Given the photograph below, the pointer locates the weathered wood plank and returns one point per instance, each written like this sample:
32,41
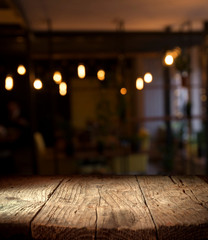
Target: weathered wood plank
95,208
195,188
20,200
175,210
71,211
122,213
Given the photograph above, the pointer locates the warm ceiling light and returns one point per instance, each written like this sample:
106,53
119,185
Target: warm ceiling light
63,89
148,78
101,75
81,71
21,70
9,83
123,91
139,83
37,84
168,59
57,77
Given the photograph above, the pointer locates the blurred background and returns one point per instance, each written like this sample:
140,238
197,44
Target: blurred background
103,87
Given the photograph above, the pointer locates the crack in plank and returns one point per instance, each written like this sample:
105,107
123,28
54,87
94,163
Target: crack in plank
96,212
49,196
196,200
172,179
145,202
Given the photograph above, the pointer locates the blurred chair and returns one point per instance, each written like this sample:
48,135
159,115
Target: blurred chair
45,156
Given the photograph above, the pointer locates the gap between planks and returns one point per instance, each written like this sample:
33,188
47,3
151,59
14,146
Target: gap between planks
96,219
50,195
145,202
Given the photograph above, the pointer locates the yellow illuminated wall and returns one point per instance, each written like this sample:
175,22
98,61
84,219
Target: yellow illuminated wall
85,95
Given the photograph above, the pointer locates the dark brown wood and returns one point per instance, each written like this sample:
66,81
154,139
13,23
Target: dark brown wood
20,201
71,211
121,212
93,44
178,206
104,207
203,177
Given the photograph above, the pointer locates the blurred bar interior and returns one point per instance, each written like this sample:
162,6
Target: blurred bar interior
81,97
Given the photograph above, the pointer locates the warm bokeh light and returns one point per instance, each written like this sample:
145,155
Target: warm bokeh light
176,52
148,78
101,75
37,84
168,59
62,89
139,83
203,98
21,70
57,77
81,71
123,91
9,83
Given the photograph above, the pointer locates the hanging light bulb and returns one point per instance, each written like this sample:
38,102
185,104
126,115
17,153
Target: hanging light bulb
168,59
21,70
37,84
62,89
9,83
101,75
123,91
148,78
139,83
57,77
81,71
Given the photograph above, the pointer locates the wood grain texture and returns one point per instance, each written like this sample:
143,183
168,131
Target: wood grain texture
175,208
122,213
71,211
20,200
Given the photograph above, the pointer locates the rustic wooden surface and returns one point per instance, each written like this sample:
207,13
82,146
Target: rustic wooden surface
20,201
175,208
71,211
104,207
122,213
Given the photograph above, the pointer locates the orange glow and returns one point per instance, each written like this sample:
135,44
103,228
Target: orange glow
139,83
123,91
101,75
148,78
21,70
168,59
62,89
57,77
81,71
37,84
9,83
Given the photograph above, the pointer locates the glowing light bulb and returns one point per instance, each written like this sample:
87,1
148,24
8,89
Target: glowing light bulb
123,91
101,75
21,70
37,84
62,89
168,59
57,77
81,71
9,83
148,78
139,83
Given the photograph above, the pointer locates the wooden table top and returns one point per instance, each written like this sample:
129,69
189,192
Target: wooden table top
104,207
